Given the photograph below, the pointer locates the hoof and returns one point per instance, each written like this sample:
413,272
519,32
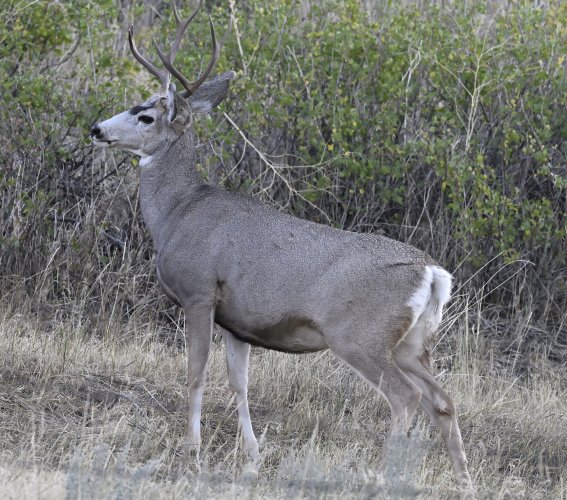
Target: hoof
250,472
189,454
468,493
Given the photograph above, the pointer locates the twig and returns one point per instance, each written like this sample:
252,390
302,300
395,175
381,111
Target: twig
275,169
234,22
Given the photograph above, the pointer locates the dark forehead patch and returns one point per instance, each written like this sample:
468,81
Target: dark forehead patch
141,107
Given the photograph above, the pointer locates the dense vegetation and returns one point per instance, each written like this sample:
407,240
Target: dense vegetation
442,127
443,124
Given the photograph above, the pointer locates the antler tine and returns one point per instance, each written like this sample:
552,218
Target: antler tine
163,76
216,53
167,63
181,27
192,87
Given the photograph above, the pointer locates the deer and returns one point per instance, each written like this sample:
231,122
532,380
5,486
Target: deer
273,280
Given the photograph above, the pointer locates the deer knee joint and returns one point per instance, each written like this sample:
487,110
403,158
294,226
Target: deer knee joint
236,388
425,359
444,407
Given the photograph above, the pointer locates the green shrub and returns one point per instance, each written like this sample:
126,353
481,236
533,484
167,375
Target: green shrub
442,127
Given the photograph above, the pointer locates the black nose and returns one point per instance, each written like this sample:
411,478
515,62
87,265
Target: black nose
96,132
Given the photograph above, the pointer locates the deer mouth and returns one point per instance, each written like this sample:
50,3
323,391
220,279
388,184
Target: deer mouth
103,142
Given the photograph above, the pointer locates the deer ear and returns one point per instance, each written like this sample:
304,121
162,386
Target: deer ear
211,93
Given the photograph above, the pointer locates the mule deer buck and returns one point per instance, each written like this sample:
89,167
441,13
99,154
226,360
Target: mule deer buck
273,280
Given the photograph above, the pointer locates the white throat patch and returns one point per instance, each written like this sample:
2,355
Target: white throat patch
145,160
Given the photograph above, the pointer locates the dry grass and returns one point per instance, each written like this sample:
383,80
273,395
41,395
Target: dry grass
86,416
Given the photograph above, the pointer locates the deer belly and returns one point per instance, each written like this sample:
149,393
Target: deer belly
294,335
166,289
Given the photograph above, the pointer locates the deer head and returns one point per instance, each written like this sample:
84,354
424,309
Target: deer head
159,121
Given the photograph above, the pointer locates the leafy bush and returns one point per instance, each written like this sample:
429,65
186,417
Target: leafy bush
468,107
442,127
445,128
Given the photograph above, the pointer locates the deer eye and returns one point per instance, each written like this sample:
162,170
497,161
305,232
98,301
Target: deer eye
145,119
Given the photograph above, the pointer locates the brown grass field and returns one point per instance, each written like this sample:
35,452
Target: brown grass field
102,417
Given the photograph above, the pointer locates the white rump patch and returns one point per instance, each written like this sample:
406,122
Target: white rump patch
420,298
441,285
144,160
427,306
433,293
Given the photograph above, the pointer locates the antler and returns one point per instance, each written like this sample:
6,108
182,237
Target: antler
165,74
190,87
181,27
167,61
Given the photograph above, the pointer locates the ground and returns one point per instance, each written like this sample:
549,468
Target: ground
102,416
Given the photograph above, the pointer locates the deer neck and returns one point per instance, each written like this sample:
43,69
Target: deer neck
167,178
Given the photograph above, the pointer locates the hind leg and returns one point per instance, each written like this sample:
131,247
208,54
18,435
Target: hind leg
377,367
438,405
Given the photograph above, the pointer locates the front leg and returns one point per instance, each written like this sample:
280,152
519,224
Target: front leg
237,355
198,334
